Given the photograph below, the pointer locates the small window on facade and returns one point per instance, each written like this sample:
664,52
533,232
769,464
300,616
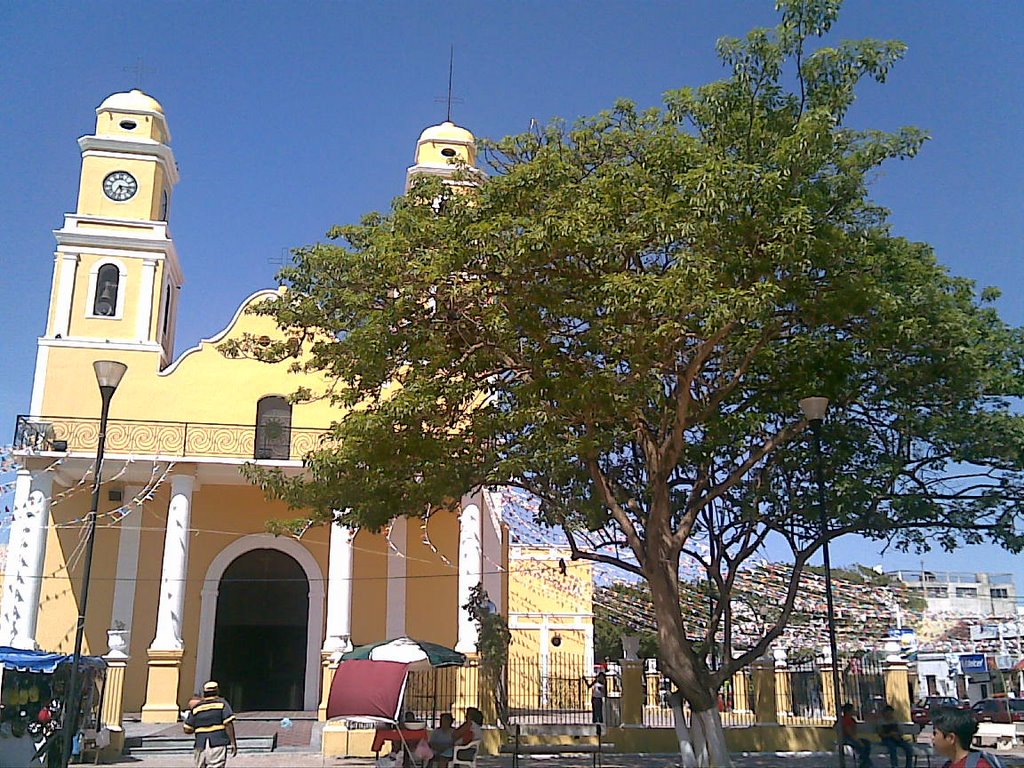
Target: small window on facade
167,309
105,302
273,428
448,152
128,125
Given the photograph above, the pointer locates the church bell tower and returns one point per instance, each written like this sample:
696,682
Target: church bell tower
117,274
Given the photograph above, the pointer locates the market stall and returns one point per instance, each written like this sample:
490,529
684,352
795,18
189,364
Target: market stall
33,706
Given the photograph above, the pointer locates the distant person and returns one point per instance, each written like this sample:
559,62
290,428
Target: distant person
890,737
848,729
952,733
442,741
472,729
598,691
213,723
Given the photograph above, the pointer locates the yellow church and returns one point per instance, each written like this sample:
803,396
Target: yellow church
186,583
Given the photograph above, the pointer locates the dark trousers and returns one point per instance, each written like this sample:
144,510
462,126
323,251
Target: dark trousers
598,706
893,744
862,747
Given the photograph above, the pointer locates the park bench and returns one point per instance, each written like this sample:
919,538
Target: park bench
517,748
922,752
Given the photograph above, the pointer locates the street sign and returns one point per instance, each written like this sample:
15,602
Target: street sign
972,663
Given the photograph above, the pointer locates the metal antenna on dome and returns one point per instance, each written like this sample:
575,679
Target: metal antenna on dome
451,99
139,69
451,67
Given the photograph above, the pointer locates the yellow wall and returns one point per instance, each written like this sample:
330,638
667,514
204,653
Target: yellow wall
431,583
109,124
220,515
202,386
539,593
370,588
81,304
92,200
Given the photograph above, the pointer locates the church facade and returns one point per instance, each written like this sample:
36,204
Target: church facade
186,583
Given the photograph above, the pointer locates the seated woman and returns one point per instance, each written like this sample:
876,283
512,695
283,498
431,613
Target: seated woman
442,741
472,729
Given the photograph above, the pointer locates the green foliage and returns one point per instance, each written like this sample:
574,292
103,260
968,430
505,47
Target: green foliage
492,644
622,319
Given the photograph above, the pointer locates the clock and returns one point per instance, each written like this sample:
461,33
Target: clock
120,186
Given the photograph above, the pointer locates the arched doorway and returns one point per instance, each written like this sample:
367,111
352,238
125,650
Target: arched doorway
260,632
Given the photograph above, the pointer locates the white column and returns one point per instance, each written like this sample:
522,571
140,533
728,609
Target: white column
175,566
493,562
66,266
395,620
146,290
469,569
129,533
26,553
339,590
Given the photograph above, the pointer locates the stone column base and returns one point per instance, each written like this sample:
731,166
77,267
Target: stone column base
632,692
467,690
897,689
766,706
328,667
113,692
162,704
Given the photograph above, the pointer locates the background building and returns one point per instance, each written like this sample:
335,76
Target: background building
966,594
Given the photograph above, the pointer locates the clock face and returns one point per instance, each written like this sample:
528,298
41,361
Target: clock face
120,186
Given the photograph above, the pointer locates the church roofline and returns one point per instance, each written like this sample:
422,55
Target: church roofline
217,338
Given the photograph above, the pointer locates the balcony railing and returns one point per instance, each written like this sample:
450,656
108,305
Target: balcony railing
274,441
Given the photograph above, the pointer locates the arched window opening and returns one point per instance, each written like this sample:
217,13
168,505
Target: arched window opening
105,301
273,428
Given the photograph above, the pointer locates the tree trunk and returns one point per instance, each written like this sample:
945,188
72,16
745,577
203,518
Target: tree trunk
702,740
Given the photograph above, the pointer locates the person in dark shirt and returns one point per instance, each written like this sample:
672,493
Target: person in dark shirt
848,728
890,737
212,722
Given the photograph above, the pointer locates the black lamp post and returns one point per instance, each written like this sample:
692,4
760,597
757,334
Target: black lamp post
814,409
108,376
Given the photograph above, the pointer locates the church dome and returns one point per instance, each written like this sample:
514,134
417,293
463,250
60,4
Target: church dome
447,132
131,101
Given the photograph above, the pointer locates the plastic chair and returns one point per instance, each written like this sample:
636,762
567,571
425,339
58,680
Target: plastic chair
465,756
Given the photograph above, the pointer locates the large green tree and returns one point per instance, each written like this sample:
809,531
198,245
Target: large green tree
622,319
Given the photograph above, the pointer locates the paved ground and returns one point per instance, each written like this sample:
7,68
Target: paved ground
314,760
298,748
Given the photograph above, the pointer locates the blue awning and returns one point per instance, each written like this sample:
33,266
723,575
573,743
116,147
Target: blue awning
42,661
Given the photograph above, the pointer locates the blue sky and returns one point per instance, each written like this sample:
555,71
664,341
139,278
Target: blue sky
288,118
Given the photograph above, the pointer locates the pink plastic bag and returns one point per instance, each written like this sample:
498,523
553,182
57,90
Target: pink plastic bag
423,752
